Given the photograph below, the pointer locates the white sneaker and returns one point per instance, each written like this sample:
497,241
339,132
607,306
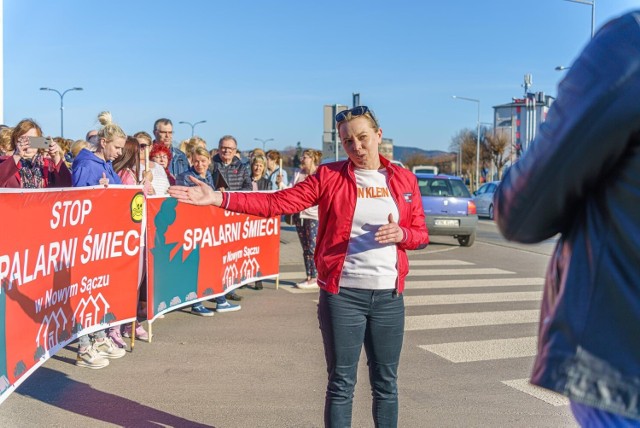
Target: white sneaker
308,284
107,349
90,359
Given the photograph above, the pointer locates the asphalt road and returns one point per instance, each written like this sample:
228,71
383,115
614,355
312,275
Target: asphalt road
471,325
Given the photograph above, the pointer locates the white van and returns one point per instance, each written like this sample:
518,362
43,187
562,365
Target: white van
425,169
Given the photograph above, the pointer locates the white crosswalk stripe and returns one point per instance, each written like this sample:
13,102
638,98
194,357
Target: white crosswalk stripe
473,319
455,299
470,283
484,350
545,395
459,272
452,262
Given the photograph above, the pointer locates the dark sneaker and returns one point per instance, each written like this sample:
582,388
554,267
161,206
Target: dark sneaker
199,309
233,296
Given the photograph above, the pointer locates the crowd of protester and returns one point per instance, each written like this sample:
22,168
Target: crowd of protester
109,156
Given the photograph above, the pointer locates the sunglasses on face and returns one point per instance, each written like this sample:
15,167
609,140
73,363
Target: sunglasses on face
355,112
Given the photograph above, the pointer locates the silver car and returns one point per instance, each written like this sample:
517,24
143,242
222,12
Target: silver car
483,197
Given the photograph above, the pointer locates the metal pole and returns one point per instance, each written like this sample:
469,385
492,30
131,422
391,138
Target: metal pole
192,125
591,3
61,114
478,151
61,95
264,142
593,17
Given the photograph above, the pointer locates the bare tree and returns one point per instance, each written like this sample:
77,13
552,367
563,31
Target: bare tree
417,159
496,145
464,143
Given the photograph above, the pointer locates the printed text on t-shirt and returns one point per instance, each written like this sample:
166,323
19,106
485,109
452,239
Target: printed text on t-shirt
373,192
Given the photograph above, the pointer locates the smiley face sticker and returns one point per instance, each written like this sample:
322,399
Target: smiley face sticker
137,207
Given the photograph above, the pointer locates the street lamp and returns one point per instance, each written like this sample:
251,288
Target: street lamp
264,142
477,138
561,68
591,3
61,105
192,125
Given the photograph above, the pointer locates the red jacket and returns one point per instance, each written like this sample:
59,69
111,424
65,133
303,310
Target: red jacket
333,189
53,175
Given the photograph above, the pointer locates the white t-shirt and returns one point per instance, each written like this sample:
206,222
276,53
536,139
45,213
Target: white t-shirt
369,264
160,182
310,213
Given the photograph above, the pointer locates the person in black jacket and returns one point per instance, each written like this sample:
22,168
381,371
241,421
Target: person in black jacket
580,178
229,173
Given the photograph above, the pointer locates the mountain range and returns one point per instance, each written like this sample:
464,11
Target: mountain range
403,153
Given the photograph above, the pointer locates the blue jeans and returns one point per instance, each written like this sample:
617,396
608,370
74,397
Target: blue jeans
347,321
588,416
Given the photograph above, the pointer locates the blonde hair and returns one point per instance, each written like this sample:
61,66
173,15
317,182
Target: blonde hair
201,151
144,136
188,146
316,155
259,159
110,130
78,145
5,140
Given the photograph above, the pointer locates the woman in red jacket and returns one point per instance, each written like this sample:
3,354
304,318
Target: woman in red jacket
27,168
370,212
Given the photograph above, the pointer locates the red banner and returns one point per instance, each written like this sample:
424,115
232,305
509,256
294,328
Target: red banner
196,253
69,261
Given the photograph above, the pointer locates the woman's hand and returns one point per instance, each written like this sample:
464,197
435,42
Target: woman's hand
54,151
104,181
148,188
389,233
200,194
21,148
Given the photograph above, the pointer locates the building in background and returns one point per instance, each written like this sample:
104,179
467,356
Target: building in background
520,119
386,148
332,147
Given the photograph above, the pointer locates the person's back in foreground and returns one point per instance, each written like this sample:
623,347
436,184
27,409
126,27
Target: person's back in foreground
581,178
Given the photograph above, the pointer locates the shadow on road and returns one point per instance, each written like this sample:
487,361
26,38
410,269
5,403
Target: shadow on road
81,398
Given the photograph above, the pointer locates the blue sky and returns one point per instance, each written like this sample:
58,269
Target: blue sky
264,69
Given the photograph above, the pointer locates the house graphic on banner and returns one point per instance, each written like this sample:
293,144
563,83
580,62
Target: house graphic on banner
91,310
51,329
230,275
250,268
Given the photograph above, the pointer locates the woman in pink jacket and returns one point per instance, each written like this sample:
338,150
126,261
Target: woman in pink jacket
370,212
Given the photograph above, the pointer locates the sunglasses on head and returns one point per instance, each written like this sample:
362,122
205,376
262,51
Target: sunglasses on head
354,112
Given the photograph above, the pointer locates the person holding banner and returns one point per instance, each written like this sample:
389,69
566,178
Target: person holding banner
94,166
92,169
306,221
275,173
28,169
370,213
230,173
199,171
